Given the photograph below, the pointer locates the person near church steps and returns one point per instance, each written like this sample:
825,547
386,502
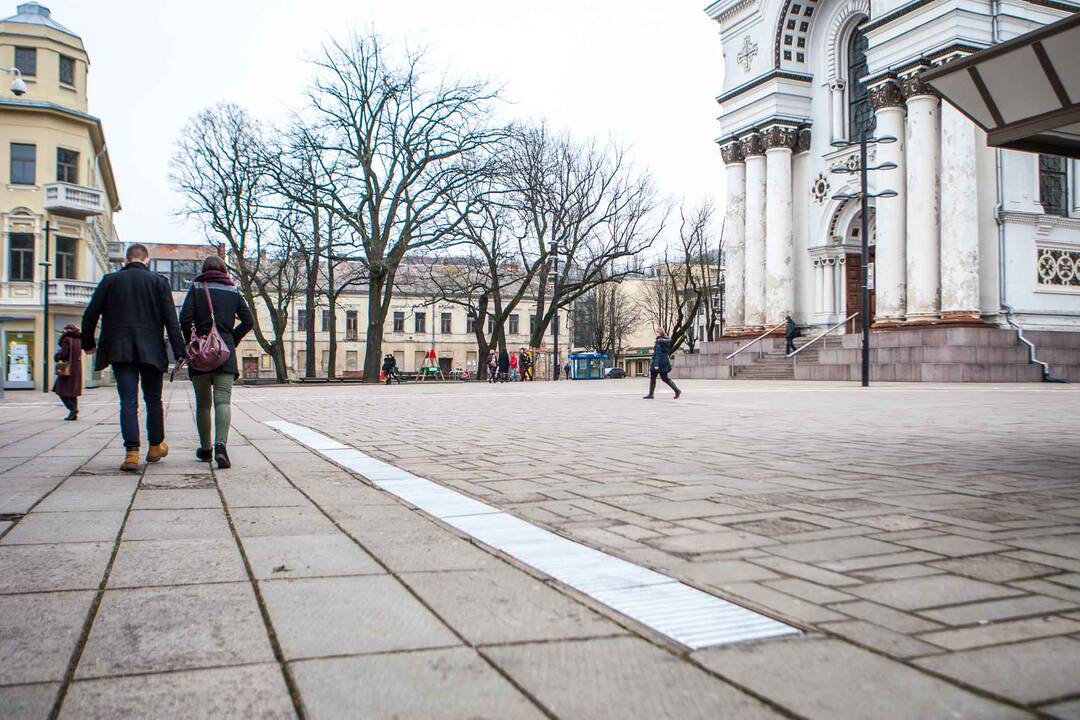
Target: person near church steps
661,365
136,310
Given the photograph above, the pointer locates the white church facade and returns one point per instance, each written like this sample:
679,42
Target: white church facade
971,229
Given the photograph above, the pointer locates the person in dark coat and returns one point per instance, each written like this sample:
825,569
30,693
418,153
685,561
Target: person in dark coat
661,365
69,386
389,368
790,333
136,310
213,388
504,365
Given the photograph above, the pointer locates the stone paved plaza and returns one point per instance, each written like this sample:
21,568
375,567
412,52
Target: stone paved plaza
925,538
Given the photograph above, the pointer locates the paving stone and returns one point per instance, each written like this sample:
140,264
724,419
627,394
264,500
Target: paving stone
895,522
879,561
953,545
1068,710
815,678
805,571
297,556
38,633
239,495
1048,588
722,572
281,521
629,678
505,605
447,684
681,509
1029,672
808,591
886,617
835,549
881,639
317,617
78,500
994,568
186,481
152,499
897,572
68,527
38,568
1002,632
418,546
176,562
1044,559
928,592
1066,545
998,610
705,542
251,691
174,628
780,603
28,702
1068,579
197,524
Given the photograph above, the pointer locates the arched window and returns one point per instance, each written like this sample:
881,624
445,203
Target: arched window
860,114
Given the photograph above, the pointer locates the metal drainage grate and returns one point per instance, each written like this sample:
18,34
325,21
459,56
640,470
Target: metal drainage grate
685,614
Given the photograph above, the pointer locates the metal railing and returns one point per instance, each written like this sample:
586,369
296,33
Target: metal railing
827,331
756,340
1046,376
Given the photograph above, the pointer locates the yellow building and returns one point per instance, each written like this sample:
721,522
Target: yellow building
57,211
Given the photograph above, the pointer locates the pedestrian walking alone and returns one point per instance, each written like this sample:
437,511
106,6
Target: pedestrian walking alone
68,357
566,370
228,311
136,310
790,333
661,365
525,362
514,367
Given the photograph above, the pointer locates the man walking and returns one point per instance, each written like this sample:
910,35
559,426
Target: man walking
791,331
136,308
661,365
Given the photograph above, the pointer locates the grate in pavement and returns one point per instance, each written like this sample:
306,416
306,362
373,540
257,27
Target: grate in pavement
685,614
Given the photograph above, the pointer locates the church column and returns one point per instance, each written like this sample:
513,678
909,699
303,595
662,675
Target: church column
830,285
923,232
959,217
779,264
890,261
754,257
734,240
838,109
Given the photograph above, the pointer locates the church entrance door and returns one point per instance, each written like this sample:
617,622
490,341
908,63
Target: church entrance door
853,295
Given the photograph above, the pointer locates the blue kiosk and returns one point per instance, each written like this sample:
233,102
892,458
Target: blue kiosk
588,366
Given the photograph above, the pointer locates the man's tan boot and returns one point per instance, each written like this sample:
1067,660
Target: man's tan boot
157,452
131,461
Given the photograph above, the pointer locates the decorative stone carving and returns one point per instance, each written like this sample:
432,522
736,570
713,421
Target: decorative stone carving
752,145
886,95
802,142
1059,269
746,55
779,136
914,86
819,189
732,152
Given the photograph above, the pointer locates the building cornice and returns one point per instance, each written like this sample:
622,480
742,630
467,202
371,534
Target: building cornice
917,4
761,80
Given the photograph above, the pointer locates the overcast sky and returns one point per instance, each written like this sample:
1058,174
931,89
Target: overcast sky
644,72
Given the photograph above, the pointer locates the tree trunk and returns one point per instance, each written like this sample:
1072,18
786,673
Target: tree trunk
376,328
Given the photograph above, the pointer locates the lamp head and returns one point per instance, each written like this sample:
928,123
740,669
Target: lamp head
886,194
886,139
846,196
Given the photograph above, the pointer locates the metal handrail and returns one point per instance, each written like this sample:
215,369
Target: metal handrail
756,340
839,324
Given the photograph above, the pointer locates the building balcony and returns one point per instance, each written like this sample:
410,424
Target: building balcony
71,292
116,251
76,201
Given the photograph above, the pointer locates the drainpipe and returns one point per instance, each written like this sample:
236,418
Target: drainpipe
999,220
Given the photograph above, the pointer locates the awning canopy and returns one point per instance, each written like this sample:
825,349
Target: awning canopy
1025,93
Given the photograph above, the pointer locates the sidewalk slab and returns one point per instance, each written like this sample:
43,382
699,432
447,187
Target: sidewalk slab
38,634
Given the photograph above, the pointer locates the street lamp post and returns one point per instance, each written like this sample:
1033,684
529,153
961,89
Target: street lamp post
555,304
46,344
864,198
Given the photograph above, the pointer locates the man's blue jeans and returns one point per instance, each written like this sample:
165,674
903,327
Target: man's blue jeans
127,377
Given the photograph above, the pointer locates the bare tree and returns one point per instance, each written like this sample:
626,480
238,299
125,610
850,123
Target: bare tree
405,149
585,202
681,285
218,168
604,317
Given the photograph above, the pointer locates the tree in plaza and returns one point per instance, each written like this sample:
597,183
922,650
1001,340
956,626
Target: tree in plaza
218,166
681,283
604,317
584,201
404,150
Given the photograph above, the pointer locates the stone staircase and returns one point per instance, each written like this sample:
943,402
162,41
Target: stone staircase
924,354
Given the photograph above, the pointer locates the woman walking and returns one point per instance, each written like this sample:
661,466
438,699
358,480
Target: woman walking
213,388
68,359
661,365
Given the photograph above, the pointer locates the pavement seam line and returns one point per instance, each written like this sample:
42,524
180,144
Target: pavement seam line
464,641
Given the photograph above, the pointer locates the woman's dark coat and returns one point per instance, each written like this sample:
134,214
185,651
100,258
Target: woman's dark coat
661,355
504,361
136,309
69,385
229,306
